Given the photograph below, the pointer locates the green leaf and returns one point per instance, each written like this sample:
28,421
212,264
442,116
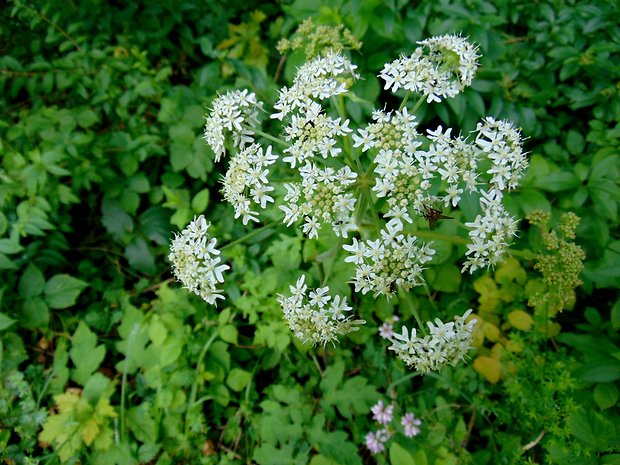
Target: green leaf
85,353
400,456
615,315
31,283
86,118
229,334
140,256
155,224
141,423
605,395
558,181
6,263
237,379
200,202
5,322
35,313
10,246
62,290
115,219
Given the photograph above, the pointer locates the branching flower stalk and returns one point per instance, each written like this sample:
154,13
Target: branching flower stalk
385,173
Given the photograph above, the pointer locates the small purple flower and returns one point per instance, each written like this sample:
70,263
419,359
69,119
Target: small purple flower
382,414
374,442
411,424
386,331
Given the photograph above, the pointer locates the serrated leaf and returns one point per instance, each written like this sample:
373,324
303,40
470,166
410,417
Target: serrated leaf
85,353
62,290
141,423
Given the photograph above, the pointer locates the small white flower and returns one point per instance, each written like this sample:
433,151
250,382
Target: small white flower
195,261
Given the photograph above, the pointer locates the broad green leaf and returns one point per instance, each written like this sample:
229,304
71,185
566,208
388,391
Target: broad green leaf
155,224
5,322
31,283
115,219
200,202
62,290
238,379
35,313
140,256
606,395
400,456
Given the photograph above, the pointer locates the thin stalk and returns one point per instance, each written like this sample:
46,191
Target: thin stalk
194,391
250,235
318,366
269,136
404,102
417,105
130,341
407,301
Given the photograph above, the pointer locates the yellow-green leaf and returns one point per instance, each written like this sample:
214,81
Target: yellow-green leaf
488,367
521,320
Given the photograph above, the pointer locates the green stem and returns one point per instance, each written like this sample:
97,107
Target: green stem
435,236
404,102
402,380
407,301
130,342
417,105
250,235
269,136
192,397
318,366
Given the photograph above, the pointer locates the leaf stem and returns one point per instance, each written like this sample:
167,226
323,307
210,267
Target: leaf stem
250,235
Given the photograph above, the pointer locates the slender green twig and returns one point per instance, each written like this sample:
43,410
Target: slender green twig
404,102
251,234
268,136
407,301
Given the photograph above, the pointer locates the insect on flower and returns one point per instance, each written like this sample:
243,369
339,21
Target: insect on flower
433,216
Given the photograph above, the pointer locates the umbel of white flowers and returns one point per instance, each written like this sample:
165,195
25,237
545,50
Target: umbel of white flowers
406,170
447,344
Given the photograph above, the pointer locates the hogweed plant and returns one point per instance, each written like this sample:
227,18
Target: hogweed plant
365,185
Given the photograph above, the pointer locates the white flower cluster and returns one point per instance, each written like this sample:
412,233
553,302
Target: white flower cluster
195,260
447,344
317,318
320,79
385,264
501,143
321,198
440,68
230,112
246,181
490,233
313,133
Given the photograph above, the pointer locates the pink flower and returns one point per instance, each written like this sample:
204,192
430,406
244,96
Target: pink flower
411,424
382,414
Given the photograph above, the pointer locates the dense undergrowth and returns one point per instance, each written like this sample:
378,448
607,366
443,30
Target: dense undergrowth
105,359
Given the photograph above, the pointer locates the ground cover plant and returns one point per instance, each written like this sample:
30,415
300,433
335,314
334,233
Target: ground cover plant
400,220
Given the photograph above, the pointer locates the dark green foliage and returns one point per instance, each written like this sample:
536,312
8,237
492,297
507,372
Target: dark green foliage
103,360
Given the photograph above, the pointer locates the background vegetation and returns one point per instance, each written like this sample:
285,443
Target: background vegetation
104,360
